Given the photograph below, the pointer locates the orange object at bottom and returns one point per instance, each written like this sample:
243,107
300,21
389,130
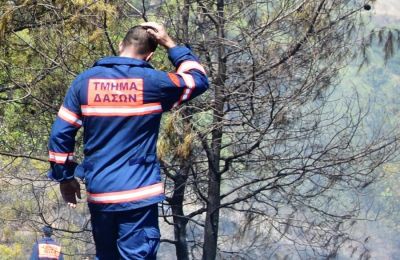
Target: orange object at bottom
49,251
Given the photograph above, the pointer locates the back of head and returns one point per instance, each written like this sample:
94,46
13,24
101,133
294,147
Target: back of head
47,231
138,37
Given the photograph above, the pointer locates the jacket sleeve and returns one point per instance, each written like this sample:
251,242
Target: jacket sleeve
62,137
189,80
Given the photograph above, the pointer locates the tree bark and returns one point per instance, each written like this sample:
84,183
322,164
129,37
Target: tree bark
214,182
180,221
180,182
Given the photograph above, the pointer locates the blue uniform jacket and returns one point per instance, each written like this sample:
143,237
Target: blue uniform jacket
46,249
119,102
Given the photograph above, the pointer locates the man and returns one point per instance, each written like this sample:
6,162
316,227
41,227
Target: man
46,248
119,101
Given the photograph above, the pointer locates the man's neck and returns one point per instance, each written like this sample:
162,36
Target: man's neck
130,54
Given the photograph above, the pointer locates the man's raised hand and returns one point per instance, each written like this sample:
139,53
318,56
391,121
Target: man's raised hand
159,33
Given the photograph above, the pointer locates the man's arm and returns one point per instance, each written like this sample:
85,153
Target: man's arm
61,147
189,80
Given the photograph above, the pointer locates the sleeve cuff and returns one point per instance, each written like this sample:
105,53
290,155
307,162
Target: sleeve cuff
177,52
61,173
51,177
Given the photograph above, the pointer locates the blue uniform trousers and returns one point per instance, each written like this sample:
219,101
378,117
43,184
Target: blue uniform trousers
132,234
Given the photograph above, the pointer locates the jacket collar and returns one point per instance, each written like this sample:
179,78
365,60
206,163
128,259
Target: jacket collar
116,60
47,239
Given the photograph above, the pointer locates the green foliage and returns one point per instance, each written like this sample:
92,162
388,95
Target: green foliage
11,252
43,47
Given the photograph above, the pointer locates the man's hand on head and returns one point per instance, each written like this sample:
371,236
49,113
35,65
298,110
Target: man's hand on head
159,33
70,189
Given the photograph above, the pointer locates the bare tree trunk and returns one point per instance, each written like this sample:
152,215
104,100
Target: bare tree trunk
180,221
180,182
214,182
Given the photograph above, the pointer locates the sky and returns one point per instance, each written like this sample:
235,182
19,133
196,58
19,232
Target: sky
387,7
386,12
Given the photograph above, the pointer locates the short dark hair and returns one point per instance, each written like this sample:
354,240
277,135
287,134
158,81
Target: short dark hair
47,231
138,37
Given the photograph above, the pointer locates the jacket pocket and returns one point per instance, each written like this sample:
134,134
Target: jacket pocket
152,236
142,244
82,169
